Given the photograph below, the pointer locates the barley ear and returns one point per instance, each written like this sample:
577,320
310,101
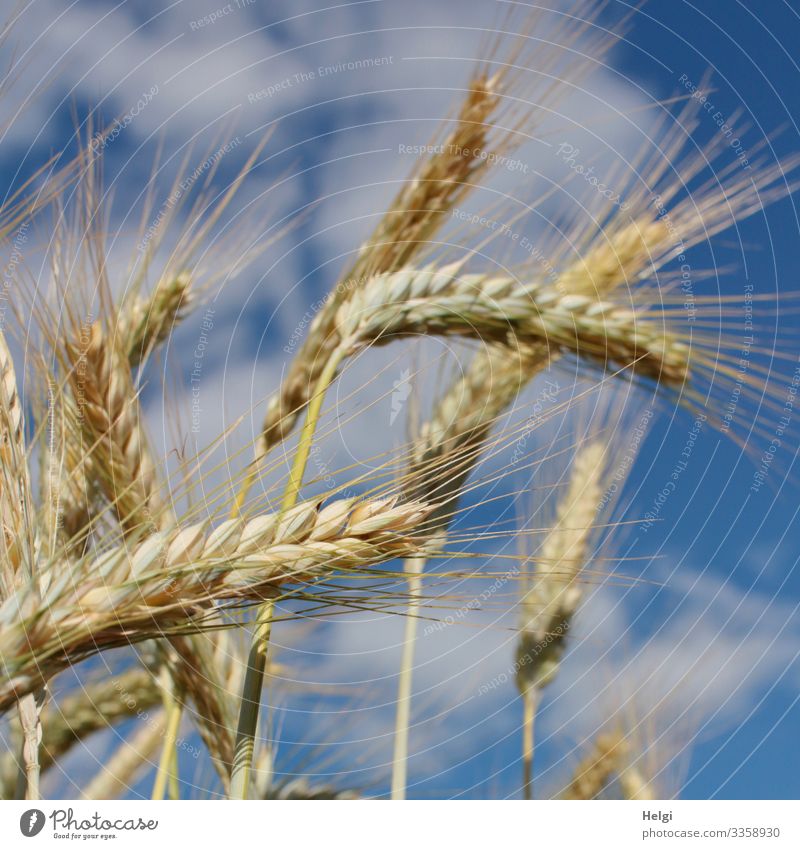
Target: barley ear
597,769
148,321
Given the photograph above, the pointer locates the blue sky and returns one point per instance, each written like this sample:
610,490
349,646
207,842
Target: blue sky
710,600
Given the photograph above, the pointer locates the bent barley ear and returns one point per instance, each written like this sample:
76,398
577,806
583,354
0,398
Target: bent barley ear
515,90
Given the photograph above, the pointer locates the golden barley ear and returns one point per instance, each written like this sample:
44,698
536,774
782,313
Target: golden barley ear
149,320
516,87
603,762
168,583
113,433
554,591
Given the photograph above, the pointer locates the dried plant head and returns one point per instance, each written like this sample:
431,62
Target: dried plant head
147,322
514,90
604,760
640,753
553,587
100,476
608,258
102,321
169,582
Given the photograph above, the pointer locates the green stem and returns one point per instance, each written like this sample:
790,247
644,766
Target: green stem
174,784
250,702
174,712
309,429
249,707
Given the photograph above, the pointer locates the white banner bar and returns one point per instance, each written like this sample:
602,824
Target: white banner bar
406,825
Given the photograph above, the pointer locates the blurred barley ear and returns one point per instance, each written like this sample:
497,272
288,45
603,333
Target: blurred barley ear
554,592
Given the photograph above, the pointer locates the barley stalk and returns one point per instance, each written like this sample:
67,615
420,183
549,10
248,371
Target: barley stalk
174,711
18,549
413,567
16,539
